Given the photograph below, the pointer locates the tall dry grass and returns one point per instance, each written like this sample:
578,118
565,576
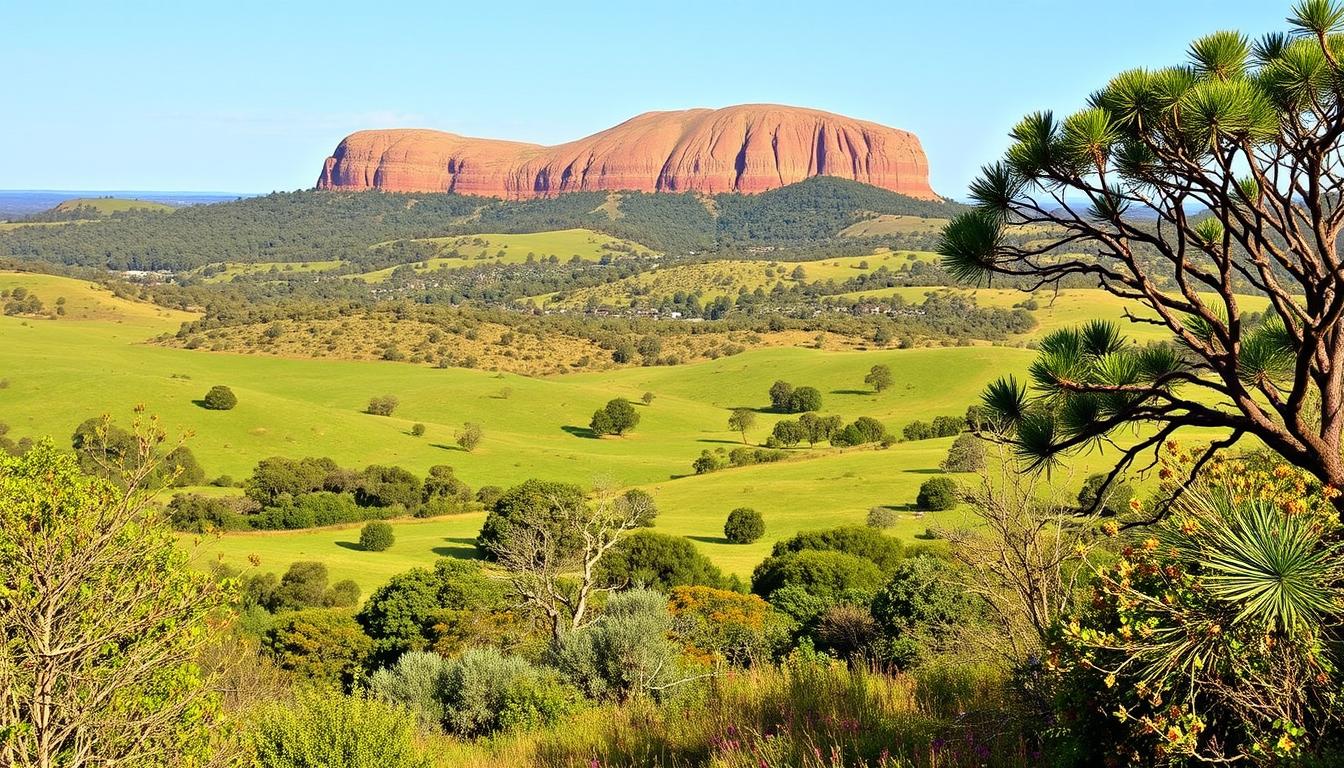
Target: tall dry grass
804,714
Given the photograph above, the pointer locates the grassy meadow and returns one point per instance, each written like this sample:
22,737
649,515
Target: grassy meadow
96,359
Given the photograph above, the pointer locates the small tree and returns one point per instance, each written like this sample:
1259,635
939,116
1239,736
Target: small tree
740,420
615,418
469,436
805,399
382,406
937,494
219,398
743,526
879,378
376,536
102,617
967,454
418,430
787,433
781,394
647,398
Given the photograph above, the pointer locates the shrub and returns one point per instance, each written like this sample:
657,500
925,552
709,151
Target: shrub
832,577
967,454
382,406
417,430
401,615
376,537
743,526
469,436
881,517
718,624
883,551
383,486
485,692
847,631
194,513
657,561
1117,496
416,682
219,398
924,596
325,729
319,645
937,494
627,651
805,399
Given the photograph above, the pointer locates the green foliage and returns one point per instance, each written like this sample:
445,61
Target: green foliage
828,576
469,436
740,420
484,691
862,431
194,513
376,537
743,526
938,494
967,454
1116,499
615,418
538,502
640,505
416,682
879,378
1192,632
384,486
325,729
881,517
656,561
941,426
400,616
319,645
627,651
883,551
787,433
382,405
102,617
417,430
220,398
921,608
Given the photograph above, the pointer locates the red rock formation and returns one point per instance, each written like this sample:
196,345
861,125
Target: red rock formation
749,148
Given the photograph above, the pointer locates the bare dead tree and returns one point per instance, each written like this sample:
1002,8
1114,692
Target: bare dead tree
1024,553
555,578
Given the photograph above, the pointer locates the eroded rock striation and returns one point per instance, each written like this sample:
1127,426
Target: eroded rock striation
749,148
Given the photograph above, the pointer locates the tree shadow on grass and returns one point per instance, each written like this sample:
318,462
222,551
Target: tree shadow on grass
852,392
709,539
350,545
445,447
578,431
924,471
462,548
718,440
200,404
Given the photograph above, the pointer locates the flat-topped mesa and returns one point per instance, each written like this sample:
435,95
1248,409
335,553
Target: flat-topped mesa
749,148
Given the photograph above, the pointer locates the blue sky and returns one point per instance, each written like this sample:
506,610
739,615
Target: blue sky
251,96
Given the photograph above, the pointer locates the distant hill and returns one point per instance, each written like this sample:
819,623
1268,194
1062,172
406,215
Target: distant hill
324,226
748,148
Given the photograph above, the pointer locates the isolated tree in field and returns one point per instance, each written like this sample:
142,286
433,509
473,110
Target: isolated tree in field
376,536
740,420
647,399
743,526
1236,162
615,418
879,378
937,494
219,398
382,406
469,436
102,616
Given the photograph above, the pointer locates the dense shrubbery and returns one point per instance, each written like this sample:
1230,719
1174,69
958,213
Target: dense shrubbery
376,537
657,561
941,426
220,398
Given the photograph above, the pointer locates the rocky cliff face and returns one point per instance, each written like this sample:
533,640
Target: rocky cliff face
749,148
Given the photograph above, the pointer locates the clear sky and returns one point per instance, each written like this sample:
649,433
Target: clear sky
242,96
